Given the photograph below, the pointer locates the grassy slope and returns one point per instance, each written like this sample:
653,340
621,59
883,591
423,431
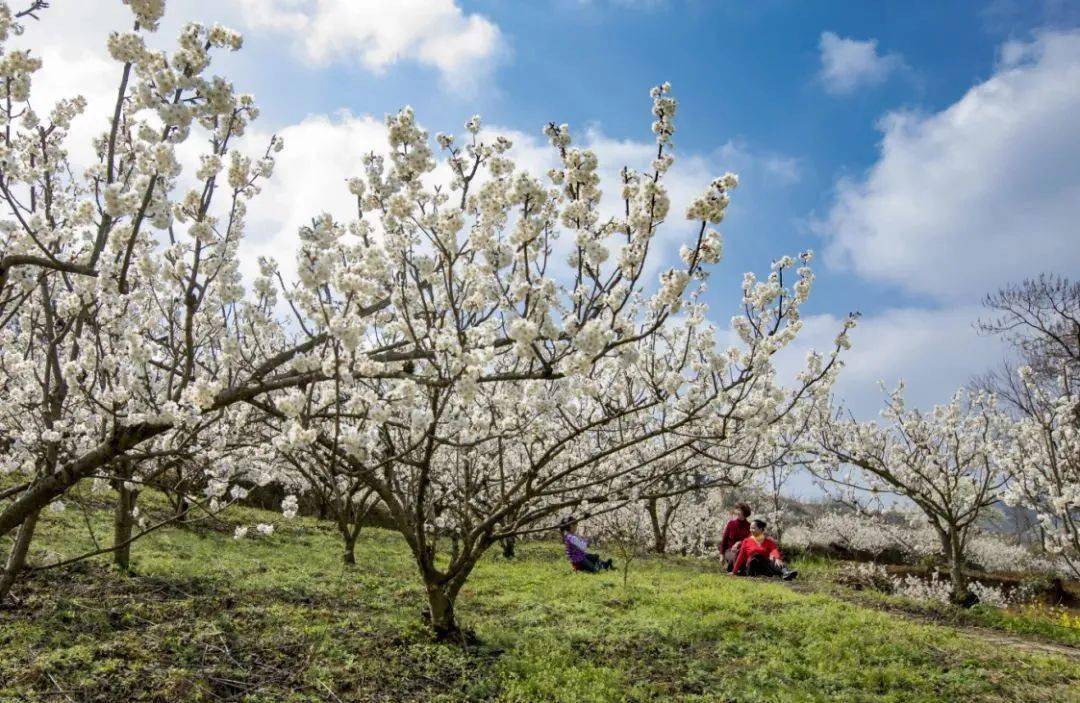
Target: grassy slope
819,575
279,619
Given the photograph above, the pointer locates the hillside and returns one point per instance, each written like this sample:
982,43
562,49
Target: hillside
210,618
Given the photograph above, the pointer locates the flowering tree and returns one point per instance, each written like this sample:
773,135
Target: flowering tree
949,462
1041,318
878,534
1045,459
515,388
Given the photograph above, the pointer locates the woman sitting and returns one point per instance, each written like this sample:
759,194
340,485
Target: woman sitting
760,556
737,529
581,560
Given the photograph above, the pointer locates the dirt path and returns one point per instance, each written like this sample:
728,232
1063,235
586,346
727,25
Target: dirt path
985,634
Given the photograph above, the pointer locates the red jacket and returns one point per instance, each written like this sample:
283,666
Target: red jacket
736,530
751,548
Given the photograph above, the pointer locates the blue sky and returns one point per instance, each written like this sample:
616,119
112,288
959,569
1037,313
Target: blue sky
744,72
928,151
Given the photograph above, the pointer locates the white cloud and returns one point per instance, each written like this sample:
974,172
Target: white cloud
934,352
982,193
309,177
436,33
847,64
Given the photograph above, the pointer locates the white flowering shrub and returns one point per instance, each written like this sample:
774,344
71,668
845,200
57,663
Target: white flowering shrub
908,535
866,576
991,595
995,553
934,589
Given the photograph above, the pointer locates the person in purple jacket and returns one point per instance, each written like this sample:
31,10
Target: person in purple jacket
576,545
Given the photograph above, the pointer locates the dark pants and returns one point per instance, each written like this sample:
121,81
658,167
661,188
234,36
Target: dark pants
759,565
731,555
591,564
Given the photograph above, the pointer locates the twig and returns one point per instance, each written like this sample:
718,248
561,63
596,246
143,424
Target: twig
59,690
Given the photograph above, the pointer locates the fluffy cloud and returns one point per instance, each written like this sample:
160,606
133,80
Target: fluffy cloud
847,64
435,33
933,351
320,153
985,192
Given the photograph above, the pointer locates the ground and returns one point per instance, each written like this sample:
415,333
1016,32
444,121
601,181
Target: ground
210,618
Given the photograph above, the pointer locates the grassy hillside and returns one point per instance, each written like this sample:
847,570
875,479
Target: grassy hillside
209,618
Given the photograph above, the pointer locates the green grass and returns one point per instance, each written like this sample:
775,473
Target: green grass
820,574
208,618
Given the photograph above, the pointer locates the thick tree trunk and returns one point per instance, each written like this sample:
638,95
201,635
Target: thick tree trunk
659,531
17,558
441,610
182,508
349,555
442,594
955,556
508,545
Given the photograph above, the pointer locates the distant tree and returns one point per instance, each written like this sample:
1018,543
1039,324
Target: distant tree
1040,318
949,462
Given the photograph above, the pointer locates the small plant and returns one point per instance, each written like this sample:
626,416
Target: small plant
627,536
991,595
866,576
1056,614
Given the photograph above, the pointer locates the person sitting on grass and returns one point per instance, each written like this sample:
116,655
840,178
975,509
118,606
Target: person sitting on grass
581,560
760,556
737,529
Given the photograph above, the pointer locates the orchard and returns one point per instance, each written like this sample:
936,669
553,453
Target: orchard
479,353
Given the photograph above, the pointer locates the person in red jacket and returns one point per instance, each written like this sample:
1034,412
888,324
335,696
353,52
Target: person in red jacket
760,556
738,529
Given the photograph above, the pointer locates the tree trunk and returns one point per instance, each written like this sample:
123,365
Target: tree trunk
441,610
180,505
17,558
123,525
123,517
182,508
508,544
659,531
349,555
955,556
